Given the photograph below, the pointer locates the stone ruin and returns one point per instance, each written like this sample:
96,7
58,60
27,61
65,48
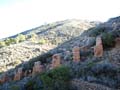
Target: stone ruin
4,78
56,61
37,68
18,74
76,54
98,49
117,42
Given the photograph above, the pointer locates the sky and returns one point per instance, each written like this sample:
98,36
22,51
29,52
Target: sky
20,15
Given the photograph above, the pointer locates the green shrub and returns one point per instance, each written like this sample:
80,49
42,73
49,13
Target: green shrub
95,31
30,85
33,37
108,40
56,79
2,44
42,41
15,87
116,33
9,41
20,38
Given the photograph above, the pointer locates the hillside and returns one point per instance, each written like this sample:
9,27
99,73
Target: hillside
65,57
39,40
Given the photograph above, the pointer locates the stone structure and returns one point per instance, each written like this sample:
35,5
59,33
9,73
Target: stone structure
37,68
25,73
4,78
56,60
76,54
18,75
117,42
98,49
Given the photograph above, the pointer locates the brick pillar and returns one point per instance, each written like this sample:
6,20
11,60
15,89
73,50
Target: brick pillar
56,60
76,54
18,75
4,78
37,68
117,42
98,49
25,73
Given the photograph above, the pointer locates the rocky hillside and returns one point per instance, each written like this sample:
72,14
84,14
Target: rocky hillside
38,41
90,72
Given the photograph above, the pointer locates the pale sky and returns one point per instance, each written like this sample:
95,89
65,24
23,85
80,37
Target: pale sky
21,15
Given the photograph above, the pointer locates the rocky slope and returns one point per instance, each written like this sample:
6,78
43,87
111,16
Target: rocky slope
55,33
14,55
92,73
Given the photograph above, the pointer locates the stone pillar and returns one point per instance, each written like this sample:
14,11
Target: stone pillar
4,78
18,75
117,42
25,73
29,73
37,68
56,60
76,54
98,49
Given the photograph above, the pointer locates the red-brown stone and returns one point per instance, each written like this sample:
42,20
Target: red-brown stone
98,49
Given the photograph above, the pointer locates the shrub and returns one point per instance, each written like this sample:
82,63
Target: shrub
2,44
108,40
42,41
29,85
116,33
95,31
15,87
33,37
56,79
20,38
9,41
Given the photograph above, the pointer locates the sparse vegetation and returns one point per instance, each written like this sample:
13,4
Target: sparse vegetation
20,38
33,37
15,87
2,44
108,40
30,85
9,41
42,41
95,31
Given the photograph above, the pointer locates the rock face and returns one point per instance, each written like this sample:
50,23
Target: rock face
98,49
37,68
76,54
56,61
